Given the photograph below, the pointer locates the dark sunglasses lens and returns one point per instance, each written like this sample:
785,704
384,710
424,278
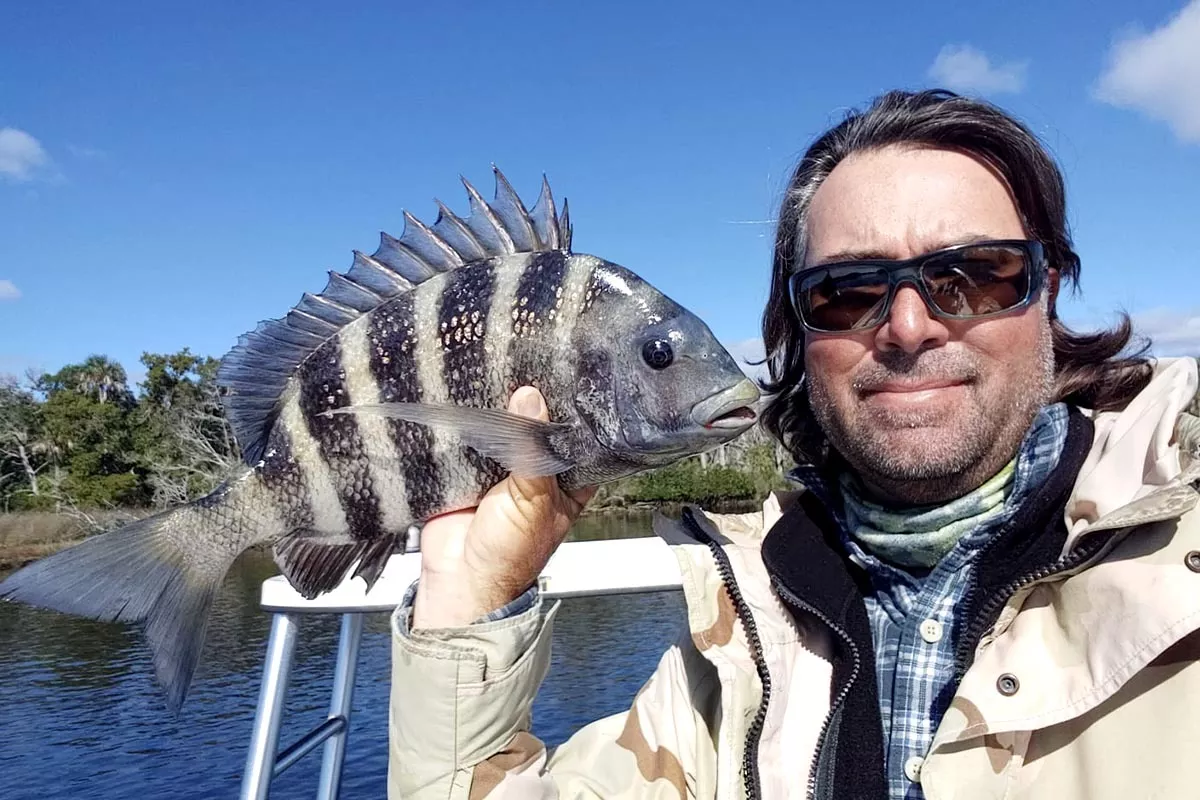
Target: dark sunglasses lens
978,280
841,298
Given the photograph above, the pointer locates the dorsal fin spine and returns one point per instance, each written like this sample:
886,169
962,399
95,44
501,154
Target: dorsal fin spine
546,214
415,230
480,208
564,228
447,218
512,214
401,258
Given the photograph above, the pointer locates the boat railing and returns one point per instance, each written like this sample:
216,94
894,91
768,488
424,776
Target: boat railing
577,569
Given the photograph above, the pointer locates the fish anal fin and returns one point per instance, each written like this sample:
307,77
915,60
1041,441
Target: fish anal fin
315,563
376,555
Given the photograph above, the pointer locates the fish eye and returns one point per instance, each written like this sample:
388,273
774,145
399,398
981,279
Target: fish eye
658,354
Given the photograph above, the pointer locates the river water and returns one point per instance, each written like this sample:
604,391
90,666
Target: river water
82,716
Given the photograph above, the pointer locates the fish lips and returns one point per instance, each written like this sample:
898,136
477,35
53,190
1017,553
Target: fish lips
729,411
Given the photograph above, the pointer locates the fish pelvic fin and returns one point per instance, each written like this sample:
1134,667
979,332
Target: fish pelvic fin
133,574
254,374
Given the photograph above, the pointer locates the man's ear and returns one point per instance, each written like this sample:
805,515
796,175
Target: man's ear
1053,281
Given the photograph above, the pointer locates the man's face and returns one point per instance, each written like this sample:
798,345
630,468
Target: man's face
923,408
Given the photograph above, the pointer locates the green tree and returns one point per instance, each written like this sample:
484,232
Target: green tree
93,441
98,378
23,451
687,481
185,445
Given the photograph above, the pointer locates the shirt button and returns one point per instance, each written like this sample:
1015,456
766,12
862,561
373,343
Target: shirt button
912,768
931,631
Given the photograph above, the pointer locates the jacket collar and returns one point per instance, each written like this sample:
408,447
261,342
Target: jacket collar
1137,452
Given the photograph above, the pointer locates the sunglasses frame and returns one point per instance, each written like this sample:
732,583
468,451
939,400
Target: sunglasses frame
909,271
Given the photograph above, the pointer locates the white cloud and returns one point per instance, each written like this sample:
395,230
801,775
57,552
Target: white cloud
9,291
1171,332
1158,73
21,155
964,68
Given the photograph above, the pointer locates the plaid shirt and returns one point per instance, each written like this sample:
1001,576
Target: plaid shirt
916,621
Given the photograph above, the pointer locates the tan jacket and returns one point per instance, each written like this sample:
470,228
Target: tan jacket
1103,659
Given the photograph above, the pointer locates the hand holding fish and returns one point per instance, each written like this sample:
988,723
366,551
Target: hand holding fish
477,560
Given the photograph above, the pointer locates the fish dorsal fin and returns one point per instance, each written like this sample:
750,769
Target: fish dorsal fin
254,373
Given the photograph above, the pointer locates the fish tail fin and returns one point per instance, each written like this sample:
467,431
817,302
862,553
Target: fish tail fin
137,573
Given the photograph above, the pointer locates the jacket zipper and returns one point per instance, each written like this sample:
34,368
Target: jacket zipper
842,694
974,633
750,776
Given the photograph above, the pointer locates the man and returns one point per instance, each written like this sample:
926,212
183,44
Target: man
987,584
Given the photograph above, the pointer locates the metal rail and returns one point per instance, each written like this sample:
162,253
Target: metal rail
577,569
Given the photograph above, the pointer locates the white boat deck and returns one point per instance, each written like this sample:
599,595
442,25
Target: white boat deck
577,569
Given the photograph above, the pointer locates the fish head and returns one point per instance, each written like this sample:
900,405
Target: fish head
652,381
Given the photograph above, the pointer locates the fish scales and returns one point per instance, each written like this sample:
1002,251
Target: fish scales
379,403
428,357
322,386
319,481
532,321
568,305
458,469
471,378
383,459
283,478
392,333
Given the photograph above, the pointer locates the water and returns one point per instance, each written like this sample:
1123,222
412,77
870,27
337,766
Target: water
82,716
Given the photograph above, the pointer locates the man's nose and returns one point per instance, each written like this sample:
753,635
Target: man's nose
910,326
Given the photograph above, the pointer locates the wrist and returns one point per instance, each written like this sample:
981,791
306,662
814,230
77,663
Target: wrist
454,601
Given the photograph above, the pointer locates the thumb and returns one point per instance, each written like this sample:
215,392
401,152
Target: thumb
527,401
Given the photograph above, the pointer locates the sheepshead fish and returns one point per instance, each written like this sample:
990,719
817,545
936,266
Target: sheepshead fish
379,403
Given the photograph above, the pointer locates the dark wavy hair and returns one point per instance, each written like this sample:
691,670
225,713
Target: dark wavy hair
1093,370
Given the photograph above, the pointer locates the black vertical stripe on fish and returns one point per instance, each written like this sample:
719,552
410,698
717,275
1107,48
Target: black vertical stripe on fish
536,305
462,323
281,475
322,387
392,335
387,476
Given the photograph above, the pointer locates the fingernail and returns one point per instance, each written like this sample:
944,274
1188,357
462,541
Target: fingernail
527,402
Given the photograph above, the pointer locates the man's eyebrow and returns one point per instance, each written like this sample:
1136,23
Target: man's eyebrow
874,254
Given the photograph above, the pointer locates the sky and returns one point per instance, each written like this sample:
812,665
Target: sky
172,173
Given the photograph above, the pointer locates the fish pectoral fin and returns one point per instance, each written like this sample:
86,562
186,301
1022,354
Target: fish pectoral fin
315,562
525,447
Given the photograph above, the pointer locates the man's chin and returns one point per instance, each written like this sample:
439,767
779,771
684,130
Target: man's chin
914,450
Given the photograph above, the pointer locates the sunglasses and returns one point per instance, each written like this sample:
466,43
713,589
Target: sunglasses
969,281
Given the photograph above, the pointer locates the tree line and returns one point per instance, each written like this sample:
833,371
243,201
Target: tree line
83,439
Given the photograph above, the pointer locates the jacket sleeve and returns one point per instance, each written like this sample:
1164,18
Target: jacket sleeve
459,721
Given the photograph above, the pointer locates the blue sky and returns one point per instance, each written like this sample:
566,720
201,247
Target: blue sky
171,175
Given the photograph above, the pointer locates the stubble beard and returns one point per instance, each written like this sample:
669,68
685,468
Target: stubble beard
919,457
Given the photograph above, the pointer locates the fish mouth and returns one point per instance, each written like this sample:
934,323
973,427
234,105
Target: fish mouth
729,410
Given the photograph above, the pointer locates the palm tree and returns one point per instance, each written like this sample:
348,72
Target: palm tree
102,378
